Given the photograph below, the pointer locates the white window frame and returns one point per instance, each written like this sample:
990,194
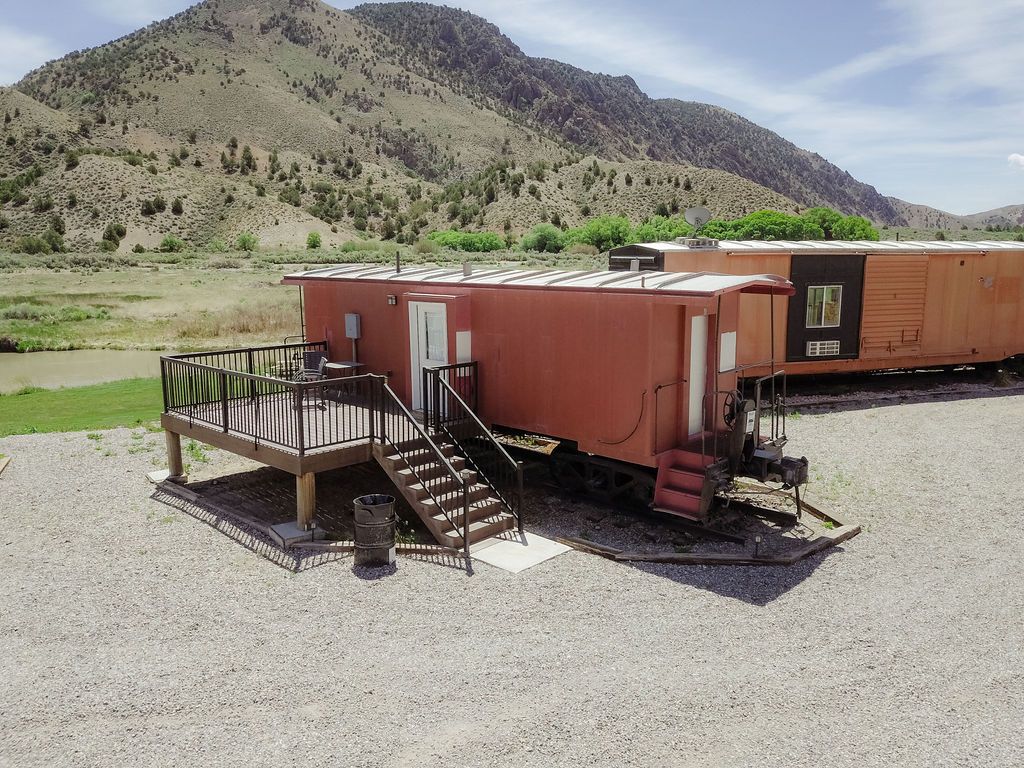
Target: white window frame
807,306
828,348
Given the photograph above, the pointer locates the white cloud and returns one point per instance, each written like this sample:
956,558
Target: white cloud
20,53
1016,159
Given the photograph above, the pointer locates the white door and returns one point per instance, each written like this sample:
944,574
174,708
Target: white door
428,342
698,373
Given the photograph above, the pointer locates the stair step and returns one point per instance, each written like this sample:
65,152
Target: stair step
417,444
405,475
416,457
693,462
681,479
440,485
478,510
477,491
482,529
681,503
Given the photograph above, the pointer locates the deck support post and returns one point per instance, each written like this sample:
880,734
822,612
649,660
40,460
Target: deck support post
305,499
174,464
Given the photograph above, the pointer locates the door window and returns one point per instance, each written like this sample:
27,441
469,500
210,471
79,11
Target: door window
824,305
436,335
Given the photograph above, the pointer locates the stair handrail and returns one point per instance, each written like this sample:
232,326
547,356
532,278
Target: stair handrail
438,454
513,506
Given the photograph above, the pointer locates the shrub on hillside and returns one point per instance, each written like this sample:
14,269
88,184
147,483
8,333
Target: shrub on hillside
290,195
31,244
247,241
764,225
313,241
353,246
473,242
172,244
661,229
854,228
113,233
177,207
423,245
825,218
42,203
603,233
544,238
54,240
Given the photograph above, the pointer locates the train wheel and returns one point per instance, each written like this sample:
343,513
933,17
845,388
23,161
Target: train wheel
643,491
601,479
568,471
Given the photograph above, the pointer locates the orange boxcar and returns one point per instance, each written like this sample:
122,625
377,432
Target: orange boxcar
865,305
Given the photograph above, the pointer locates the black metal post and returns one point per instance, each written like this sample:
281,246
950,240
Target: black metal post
475,373
224,398
519,495
163,381
252,383
465,515
300,425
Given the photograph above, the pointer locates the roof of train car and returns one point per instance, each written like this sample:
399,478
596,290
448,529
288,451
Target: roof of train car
831,246
673,283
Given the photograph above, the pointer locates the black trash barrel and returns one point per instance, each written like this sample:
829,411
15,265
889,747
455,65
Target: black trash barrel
374,529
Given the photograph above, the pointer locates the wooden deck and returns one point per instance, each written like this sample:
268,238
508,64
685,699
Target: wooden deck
274,429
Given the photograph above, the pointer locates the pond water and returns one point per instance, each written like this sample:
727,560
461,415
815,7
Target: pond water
75,368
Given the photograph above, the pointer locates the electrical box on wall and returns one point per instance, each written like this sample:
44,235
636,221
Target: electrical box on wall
352,326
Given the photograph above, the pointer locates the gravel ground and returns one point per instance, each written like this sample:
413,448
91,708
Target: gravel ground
133,634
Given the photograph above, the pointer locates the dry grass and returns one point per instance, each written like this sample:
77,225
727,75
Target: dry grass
258,320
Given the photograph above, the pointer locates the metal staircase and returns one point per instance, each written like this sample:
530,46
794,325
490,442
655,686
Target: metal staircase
449,474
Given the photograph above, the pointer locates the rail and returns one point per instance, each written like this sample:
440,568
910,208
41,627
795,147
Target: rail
280,361
453,417
267,409
448,489
776,409
461,377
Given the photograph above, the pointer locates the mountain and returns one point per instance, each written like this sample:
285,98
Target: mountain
926,217
282,117
611,116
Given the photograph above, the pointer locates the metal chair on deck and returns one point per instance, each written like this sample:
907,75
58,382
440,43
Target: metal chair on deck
314,368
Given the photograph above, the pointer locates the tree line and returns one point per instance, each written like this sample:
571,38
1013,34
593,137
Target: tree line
604,232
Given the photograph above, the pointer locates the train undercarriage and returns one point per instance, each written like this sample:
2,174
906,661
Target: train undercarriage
712,486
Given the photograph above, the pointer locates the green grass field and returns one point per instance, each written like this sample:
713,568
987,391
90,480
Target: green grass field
125,403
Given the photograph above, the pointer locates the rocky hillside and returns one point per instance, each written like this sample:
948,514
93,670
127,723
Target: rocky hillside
282,117
924,217
610,116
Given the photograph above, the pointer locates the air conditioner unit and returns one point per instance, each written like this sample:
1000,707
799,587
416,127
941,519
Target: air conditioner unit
823,348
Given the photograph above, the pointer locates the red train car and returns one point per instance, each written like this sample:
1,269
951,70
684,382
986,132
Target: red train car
638,370
864,305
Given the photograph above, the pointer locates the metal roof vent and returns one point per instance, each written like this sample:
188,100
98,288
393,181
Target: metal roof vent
698,242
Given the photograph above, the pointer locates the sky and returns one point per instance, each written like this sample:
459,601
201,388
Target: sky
920,98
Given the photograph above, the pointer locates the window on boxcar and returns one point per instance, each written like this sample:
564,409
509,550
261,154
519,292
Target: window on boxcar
824,305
